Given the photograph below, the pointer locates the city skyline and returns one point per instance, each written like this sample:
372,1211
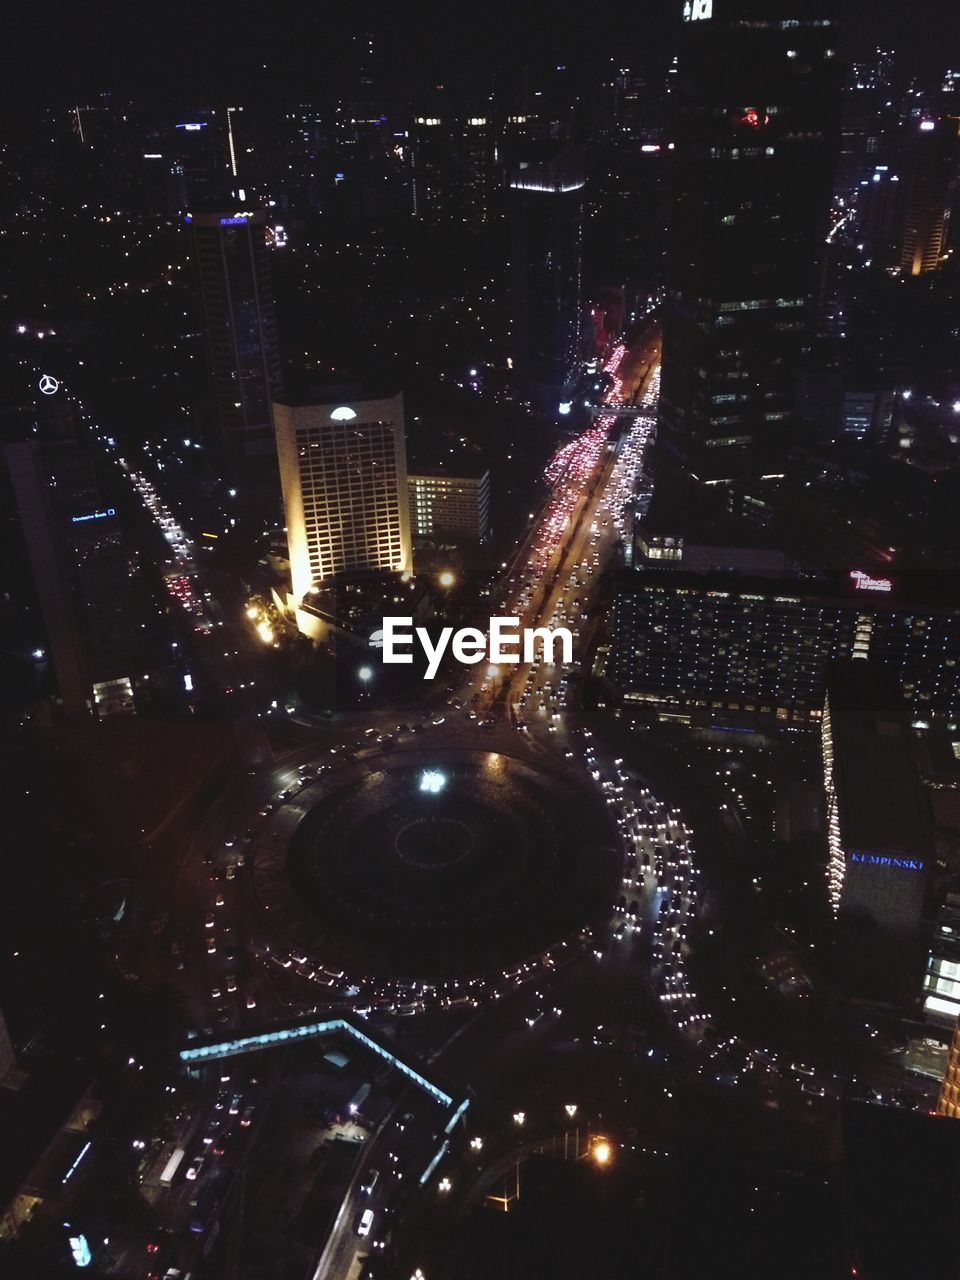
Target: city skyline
480,664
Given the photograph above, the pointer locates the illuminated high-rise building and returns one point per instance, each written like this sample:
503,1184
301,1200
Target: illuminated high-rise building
343,471
450,502
756,94
932,161
546,247
948,1103
237,293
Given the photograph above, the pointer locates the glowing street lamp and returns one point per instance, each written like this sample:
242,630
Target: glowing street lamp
601,1151
447,578
365,674
570,1109
519,1117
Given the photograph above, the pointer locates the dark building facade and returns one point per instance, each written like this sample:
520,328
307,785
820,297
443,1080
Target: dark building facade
546,251
452,167
87,576
237,294
754,160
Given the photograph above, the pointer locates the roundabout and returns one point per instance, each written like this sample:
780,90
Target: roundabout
432,865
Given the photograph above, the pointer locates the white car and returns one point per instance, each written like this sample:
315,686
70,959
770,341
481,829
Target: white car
365,1223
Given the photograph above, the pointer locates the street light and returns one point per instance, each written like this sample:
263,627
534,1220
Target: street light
519,1117
365,674
447,578
570,1109
444,1184
476,1144
601,1151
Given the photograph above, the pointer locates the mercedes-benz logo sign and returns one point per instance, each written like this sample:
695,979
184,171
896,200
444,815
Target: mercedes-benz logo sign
49,384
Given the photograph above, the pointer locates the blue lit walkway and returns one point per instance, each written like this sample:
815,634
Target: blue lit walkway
198,1054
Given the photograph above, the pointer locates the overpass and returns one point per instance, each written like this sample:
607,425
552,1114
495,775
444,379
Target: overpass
215,1050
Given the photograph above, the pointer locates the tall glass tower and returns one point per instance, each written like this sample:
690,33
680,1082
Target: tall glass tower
546,249
755,149
237,294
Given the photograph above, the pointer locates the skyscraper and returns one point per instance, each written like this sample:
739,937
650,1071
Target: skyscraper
237,295
451,166
754,166
932,161
546,237
343,471
86,575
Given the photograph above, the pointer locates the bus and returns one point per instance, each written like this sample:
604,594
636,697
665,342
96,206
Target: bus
171,1167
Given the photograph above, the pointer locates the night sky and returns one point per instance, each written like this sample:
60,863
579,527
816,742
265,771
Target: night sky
185,48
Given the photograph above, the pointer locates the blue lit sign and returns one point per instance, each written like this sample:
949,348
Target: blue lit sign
94,515
886,860
192,128
235,220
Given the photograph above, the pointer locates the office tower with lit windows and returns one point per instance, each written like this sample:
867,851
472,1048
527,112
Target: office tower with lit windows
941,982
948,1103
756,102
86,575
343,472
546,218
931,179
717,649
451,156
879,835
450,502
238,311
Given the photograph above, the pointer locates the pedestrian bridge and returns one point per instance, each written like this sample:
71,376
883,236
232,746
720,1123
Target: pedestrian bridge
214,1050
